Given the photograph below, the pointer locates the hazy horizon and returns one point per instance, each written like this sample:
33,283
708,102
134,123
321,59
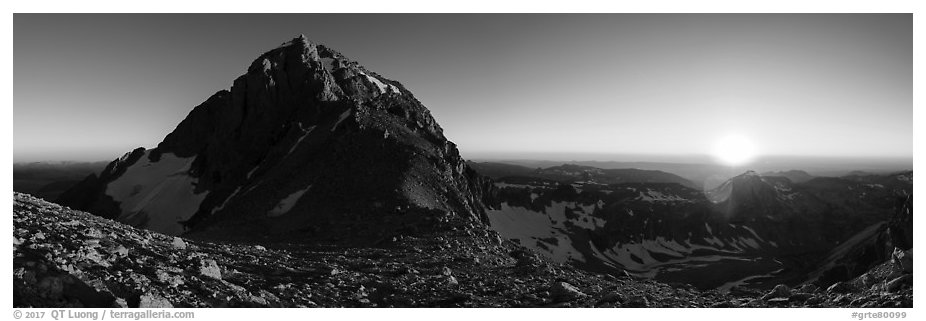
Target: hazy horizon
815,165
667,86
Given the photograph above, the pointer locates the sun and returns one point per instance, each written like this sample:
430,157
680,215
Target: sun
734,150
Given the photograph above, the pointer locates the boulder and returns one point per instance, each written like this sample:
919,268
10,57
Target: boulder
780,291
209,268
903,259
332,271
150,300
867,280
613,296
814,300
800,297
50,287
898,283
778,301
178,243
563,292
636,301
121,251
525,258
808,288
722,304
839,287
171,280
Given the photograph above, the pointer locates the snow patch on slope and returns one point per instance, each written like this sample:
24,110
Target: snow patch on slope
287,203
383,87
657,196
305,133
230,196
341,118
157,195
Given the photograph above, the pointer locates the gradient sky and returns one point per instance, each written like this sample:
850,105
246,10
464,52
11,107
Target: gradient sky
94,86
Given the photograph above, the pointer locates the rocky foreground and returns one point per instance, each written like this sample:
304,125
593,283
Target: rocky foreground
68,258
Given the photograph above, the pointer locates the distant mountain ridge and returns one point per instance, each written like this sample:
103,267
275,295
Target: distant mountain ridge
48,180
796,176
579,173
707,174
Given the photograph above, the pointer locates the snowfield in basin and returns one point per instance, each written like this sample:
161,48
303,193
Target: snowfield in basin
537,230
563,238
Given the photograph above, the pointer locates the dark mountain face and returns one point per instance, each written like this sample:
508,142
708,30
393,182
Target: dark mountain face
749,196
867,249
303,144
750,230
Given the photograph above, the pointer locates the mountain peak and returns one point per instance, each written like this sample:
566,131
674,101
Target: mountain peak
303,137
746,182
298,41
749,173
794,175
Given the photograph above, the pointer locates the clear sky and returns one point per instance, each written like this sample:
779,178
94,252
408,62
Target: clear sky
92,87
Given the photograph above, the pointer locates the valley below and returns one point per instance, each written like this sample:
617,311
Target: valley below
751,231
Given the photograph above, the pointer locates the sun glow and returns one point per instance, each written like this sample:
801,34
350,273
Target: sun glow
734,150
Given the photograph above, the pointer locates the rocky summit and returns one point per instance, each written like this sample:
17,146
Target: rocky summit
308,144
